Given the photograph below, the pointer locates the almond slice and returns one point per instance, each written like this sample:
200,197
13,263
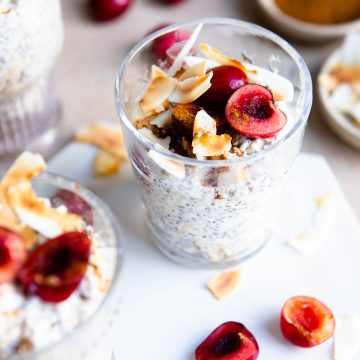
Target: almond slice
178,61
159,89
196,70
188,90
106,163
220,58
224,284
107,137
34,212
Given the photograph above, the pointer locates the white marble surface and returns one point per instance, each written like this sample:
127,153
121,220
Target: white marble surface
92,53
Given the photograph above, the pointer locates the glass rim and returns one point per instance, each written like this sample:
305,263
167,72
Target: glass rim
50,178
305,78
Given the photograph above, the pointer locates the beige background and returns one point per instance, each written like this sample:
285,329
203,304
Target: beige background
93,52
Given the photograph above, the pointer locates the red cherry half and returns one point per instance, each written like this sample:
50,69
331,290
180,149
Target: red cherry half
12,255
74,203
229,341
250,111
54,270
306,321
225,81
104,10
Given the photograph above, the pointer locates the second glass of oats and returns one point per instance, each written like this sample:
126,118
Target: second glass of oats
214,212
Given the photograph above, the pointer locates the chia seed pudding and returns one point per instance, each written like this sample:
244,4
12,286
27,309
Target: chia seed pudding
206,137
31,38
51,305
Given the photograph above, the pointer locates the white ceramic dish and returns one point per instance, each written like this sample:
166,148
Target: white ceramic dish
298,29
337,121
166,309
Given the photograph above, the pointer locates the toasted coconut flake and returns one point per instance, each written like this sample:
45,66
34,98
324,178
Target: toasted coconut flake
162,120
196,70
107,137
34,212
149,135
313,237
327,81
220,58
194,60
204,123
178,61
188,90
224,284
346,73
209,145
137,113
156,73
158,91
25,167
106,164
170,166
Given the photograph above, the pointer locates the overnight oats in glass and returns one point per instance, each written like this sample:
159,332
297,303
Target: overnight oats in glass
212,128
31,38
60,254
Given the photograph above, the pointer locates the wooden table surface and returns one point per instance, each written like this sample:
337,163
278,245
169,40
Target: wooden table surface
92,53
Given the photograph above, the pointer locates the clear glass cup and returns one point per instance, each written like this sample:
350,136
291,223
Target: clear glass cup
92,340
214,213
31,38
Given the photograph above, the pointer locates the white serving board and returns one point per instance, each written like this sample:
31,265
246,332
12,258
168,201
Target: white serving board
166,309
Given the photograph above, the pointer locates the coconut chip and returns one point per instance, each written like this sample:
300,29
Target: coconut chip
224,284
159,89
220,58
205,141
106,163
190,89
34,212
196,70
108,138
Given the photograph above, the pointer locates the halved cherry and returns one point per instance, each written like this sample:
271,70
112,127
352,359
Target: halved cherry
229,341
306,321
12,254
74,203
54,270
224,82
250,111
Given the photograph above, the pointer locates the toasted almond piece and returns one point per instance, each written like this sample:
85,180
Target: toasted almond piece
209,145
196,70
159,89
106,137
178,61
224,284
172,167
188,90
313,237
222,59
106,163
204,123
281,88
34,212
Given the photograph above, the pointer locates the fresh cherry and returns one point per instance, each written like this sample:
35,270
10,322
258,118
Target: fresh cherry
167,41
229,341
74,204
104,10
12,254
54,270
306,321
225,81
250,111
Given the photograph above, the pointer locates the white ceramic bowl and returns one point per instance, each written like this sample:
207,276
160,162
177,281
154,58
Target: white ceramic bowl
338,122
298,29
